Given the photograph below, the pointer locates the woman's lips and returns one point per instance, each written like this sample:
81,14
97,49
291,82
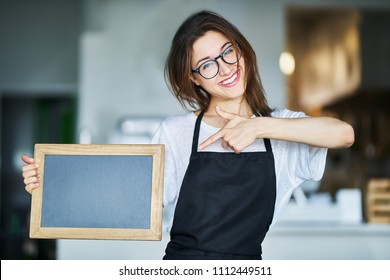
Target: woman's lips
232,81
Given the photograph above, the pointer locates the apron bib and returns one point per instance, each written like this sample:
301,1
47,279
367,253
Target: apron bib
226,204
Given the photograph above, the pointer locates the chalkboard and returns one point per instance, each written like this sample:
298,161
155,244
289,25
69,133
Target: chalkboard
98,192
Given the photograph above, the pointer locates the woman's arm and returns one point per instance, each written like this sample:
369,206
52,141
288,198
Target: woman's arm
240,132
315,131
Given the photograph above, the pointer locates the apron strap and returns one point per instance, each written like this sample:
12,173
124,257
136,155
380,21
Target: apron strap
196,133
268,146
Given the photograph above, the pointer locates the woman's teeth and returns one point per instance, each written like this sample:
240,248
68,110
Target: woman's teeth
226,82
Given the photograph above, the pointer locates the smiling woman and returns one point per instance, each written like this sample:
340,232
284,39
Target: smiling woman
207,36
222,203
228,85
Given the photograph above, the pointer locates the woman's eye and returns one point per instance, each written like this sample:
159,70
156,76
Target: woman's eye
228,51
208,65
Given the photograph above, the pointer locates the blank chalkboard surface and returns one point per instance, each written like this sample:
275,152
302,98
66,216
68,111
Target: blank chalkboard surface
98,192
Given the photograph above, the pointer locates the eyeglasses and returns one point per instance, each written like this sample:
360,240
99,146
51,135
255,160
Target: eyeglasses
210,68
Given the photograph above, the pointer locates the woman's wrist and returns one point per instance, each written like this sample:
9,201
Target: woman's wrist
263,127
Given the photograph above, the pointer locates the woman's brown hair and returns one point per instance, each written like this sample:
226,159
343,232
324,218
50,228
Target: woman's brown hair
178,65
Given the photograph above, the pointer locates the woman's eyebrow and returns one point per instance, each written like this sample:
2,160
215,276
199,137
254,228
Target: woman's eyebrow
200,60
208,57
224,45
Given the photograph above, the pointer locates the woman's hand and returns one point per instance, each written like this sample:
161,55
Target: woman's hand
240,132
30,173
237,134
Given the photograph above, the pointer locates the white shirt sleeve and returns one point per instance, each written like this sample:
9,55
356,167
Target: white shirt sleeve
170,184
294,164
305,162
175,133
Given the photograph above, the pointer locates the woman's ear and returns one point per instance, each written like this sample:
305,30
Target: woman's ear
194,80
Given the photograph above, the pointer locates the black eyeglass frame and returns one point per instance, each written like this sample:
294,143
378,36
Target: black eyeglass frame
215,60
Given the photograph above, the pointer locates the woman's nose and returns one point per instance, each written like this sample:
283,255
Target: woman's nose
224,68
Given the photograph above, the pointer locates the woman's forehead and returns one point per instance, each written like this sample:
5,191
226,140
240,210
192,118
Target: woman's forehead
211,43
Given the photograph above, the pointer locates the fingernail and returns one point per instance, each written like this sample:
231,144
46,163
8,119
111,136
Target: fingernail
218,108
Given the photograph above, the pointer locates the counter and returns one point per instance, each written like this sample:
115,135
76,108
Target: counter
327,240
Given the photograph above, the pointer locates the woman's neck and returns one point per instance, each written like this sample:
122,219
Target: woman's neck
239,107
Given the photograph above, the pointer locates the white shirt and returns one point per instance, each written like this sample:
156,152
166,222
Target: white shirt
294,162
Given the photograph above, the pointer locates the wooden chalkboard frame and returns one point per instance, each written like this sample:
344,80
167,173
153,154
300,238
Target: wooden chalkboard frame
152,233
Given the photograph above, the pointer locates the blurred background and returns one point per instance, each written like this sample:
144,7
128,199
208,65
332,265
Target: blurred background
91,71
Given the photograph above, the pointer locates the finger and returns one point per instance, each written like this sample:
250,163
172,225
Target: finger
27,159
30,167
30,173
30,187
225,145
212,139
223,114
237,149
30,180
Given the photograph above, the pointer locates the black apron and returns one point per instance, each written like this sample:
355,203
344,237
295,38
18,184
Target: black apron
225,206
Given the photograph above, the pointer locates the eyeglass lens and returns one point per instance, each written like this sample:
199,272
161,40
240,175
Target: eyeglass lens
210,68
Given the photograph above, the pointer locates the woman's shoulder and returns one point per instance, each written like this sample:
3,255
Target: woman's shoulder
286,113
179,121
174,128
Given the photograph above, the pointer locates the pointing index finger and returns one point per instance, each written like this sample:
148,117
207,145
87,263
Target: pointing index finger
212,139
